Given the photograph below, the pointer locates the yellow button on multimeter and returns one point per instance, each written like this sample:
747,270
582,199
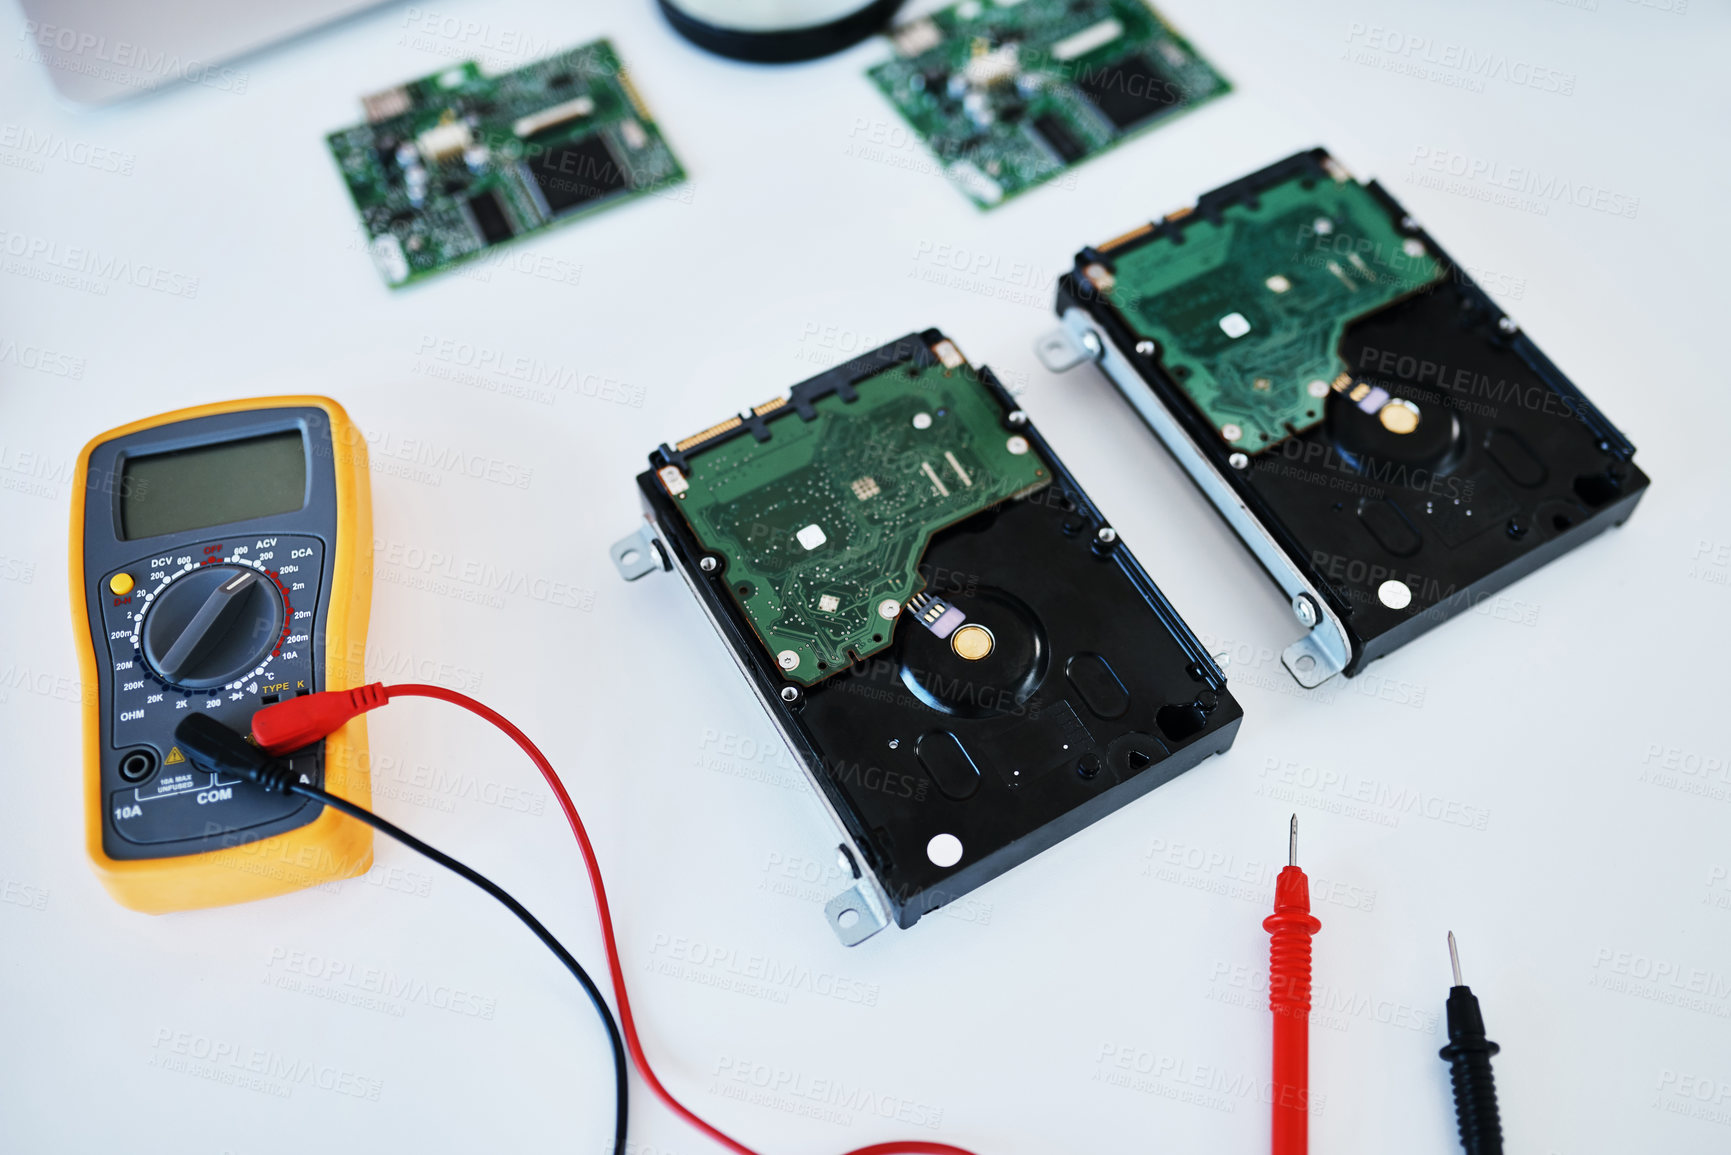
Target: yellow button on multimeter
221,561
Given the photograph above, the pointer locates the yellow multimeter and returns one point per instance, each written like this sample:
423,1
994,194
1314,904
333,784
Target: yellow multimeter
221,561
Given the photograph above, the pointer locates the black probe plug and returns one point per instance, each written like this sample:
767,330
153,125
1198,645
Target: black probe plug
1469,1059
214,747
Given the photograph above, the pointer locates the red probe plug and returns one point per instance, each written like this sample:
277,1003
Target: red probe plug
287,726
1289,929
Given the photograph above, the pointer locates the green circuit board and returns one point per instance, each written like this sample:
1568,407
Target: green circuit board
823,525
1248,307
453,164
1009,93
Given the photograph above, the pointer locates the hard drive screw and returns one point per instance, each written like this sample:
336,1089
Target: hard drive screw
1507,325
1517,528
1088,765
1145,348
1408,224
709,564
1106,536
1238,461
1304,610
1091,342
790,694
1017,418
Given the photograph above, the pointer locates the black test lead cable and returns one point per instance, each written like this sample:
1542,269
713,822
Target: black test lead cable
214,747
1469,1059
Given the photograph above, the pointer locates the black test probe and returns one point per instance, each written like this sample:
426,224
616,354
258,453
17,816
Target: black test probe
1469,1059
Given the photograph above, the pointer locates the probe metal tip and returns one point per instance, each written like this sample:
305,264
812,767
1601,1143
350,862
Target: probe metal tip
1292,843
1455,959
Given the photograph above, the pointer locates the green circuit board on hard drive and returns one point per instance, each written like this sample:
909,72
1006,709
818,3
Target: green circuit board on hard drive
455,163
1010,93
1247,307
821,527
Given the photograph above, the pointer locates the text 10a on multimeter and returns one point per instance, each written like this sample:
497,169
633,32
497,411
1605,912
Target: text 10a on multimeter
221,561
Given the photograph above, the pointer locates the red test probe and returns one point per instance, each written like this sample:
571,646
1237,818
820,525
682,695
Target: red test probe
1289,929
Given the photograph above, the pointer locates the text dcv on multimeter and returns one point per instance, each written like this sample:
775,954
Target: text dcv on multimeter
222,560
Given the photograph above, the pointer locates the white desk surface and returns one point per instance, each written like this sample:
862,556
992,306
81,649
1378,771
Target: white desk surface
1546,776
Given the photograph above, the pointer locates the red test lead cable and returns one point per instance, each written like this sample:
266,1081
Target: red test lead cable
1289,929
299,722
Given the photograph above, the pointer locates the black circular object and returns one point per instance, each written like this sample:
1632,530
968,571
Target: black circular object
212,626
1435,442
781,44
996,684
138,765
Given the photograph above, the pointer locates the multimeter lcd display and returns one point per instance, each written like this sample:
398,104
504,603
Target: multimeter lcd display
212,485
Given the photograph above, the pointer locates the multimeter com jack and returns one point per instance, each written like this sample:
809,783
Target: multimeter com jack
221,561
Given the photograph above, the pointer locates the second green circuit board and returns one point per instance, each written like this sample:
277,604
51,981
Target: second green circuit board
1008,94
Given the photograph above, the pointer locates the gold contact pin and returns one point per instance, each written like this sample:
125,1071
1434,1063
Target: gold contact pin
769,406
636,100
1126,238
712,431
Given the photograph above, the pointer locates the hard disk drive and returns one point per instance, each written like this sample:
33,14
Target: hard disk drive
1387,442
960,651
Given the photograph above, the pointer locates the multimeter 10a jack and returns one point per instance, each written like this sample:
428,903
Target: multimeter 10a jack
221,561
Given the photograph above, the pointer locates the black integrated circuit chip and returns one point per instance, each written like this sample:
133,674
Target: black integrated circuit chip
1130,91
1058,137
489,218
569,176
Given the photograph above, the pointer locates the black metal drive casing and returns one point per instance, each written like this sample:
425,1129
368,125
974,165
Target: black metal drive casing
1541,470
1121,696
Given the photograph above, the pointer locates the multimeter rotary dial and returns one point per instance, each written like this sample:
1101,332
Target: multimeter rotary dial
211,625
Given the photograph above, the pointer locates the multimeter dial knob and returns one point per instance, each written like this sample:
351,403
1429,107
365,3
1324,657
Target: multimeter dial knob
212,626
